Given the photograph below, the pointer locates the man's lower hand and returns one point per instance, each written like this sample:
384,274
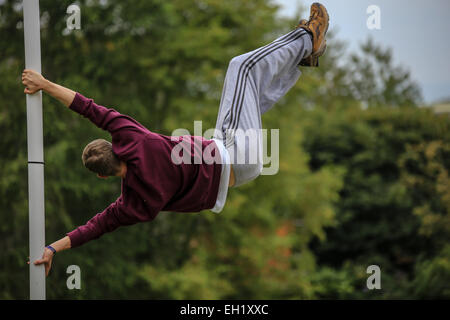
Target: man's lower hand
46,259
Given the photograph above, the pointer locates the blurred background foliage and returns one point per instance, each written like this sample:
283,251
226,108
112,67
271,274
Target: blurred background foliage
363,173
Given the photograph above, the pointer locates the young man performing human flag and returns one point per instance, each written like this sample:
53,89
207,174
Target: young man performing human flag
153,178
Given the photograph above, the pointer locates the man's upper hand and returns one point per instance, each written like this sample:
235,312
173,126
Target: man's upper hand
32,81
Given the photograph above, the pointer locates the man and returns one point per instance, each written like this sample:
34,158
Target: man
153,179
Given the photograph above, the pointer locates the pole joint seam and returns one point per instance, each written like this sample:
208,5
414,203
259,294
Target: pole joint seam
37,162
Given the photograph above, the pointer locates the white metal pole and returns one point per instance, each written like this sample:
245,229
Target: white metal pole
35,151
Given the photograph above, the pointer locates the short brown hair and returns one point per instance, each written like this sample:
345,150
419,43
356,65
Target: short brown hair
99,157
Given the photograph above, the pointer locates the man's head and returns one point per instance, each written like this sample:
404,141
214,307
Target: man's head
99,157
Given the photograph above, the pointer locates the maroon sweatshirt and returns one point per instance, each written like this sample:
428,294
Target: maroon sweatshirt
153,182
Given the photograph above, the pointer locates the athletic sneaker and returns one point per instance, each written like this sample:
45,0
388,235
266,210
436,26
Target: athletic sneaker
317,26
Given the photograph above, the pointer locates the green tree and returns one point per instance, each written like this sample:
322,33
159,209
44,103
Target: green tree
393,208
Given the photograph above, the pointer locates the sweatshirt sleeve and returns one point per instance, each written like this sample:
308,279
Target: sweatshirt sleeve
125,131
107,221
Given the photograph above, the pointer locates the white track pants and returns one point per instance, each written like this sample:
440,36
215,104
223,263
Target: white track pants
254,82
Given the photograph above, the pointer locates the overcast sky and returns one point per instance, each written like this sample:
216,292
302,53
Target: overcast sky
416,30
